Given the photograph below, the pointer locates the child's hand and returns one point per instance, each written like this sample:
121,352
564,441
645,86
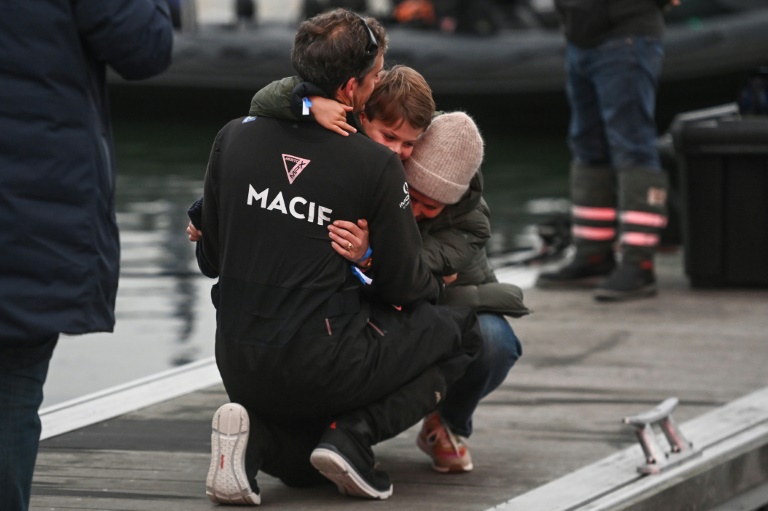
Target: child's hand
194,234
331,115
450,279
349,239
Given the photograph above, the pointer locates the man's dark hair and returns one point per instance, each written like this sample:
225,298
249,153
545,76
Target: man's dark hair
334,46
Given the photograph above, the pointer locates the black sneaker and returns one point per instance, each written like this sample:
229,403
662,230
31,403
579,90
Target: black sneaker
582,271
627,282
350,466
227,482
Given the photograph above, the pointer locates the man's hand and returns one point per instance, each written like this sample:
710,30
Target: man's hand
349,239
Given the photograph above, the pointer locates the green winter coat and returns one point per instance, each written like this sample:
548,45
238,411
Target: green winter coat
454,242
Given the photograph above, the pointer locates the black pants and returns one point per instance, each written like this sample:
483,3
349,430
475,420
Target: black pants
386,367
23,370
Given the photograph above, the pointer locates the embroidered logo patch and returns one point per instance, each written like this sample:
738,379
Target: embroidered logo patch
293,166
407,200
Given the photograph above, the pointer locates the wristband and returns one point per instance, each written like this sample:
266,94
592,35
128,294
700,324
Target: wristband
306,105
366,255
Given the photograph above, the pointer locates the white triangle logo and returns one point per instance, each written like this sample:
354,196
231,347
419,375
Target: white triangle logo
293,166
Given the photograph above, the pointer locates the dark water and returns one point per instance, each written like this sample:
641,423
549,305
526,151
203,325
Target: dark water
164,316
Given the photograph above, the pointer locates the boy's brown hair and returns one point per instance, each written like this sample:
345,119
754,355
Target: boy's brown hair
402,95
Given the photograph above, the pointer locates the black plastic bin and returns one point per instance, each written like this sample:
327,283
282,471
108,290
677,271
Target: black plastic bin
723,165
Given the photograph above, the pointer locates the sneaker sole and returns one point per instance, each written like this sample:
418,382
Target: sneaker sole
453,468
335,467
606,295
227,482
580,283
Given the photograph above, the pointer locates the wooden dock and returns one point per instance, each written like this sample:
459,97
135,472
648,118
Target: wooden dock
554,425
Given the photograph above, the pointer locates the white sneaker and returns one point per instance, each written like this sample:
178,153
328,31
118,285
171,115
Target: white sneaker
227,482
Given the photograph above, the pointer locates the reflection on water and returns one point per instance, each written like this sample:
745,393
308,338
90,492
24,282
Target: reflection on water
164,314
162,164
156,253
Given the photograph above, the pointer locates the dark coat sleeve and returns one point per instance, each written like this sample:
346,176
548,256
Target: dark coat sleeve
195,213
401,276
453,243
496,297
208,253
274,99
134,37
283,99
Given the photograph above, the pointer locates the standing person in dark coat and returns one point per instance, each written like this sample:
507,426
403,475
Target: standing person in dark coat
60,252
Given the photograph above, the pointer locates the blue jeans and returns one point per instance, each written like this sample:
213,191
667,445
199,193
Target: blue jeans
612,94
23,369
499,352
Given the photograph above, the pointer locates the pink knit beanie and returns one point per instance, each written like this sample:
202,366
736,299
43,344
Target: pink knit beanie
446,158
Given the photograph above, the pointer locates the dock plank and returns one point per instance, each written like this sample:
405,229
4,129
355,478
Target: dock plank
585,366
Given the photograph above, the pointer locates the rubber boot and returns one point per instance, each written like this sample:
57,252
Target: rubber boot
643,215
593,214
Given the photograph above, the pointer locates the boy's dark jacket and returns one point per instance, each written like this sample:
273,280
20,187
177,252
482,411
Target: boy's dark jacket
454,242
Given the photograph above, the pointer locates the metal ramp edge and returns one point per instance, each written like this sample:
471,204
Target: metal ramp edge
732,442
118,400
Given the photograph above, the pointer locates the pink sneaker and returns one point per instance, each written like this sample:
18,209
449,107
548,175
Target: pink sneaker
449,453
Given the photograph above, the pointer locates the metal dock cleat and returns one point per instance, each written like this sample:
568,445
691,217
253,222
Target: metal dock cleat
656,460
